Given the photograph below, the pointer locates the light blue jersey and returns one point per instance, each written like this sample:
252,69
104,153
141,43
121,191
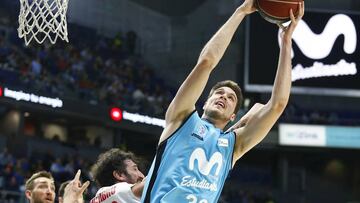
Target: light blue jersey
191,165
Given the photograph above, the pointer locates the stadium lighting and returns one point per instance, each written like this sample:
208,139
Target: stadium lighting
116,114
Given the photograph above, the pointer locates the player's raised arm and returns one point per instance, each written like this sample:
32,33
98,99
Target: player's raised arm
260,124
191,89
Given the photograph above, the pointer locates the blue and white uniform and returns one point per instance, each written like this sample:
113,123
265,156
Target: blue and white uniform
191,165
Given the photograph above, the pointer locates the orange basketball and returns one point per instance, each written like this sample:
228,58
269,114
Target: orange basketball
277,11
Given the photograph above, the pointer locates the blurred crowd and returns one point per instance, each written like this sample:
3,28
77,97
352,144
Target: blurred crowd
296,114
91,68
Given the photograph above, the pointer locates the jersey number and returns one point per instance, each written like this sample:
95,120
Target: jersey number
193,199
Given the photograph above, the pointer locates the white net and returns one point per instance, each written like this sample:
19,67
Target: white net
43,19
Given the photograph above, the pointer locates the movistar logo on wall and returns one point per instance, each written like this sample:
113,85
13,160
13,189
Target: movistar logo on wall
318,47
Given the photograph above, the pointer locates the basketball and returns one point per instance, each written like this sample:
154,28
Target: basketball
277,11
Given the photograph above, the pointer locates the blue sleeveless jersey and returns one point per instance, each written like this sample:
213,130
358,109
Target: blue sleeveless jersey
191,165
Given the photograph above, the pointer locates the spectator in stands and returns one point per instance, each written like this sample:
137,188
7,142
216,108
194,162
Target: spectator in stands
116,170
36,66
57,167
40,188
6,158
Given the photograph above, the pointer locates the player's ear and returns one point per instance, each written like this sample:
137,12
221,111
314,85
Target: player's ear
232,117
28,194
119,176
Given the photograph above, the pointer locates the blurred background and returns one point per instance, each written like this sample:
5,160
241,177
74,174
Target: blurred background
61,105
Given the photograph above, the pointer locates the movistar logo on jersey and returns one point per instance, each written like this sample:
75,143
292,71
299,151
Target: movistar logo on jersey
205,165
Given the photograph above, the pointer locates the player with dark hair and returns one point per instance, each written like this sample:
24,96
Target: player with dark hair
118,176
194,154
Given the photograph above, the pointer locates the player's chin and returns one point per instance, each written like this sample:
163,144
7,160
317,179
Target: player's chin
214,112
215,107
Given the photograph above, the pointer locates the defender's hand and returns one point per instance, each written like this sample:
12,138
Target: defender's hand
74,190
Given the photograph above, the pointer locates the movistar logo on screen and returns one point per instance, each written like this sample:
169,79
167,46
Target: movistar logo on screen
319,46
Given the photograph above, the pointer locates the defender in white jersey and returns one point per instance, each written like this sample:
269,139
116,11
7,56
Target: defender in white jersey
119,178
194,154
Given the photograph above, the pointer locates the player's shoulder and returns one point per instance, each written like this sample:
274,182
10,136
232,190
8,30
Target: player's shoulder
123,184
103,189
120,192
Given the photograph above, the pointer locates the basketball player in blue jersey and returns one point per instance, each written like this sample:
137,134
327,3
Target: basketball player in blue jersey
194,154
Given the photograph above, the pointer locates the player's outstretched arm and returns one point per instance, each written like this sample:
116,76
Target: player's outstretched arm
190,90
260,124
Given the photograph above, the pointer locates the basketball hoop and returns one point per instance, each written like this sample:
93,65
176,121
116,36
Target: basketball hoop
43,19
